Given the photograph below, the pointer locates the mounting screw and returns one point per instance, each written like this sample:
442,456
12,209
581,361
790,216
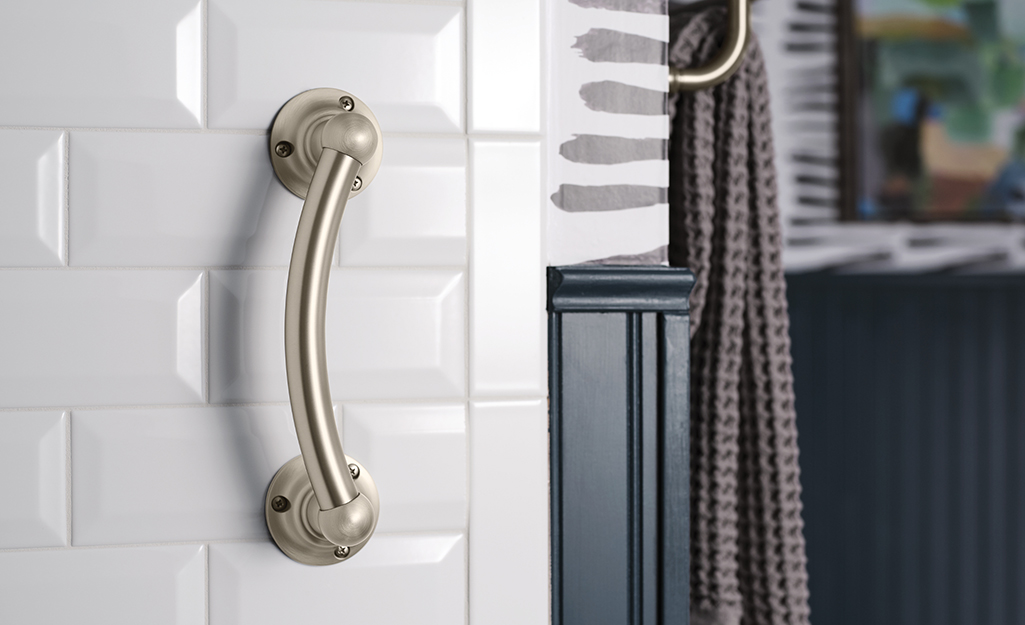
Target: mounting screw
283,149
354,470
357,183
280,504
341,552
346,103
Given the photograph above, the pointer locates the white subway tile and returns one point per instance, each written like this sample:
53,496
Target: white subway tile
75,338
32,453
160,199
509,497
414,213
32,171
395,579
177,474
152,585
505,61
115,63
390,334
129,207
404,60
507,289
417,455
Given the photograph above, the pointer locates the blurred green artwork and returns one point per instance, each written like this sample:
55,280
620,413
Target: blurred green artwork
942,109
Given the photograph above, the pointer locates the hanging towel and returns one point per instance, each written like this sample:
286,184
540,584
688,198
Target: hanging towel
748,560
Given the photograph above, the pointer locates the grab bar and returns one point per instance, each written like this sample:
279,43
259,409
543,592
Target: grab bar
322,506
726,62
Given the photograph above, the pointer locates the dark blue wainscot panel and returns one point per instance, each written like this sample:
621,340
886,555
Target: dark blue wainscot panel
911,411
618,354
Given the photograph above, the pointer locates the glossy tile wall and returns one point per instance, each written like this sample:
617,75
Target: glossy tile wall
143,249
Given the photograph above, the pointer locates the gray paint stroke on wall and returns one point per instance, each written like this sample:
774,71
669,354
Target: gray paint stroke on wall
657,256
611,142
602,45
599,150
610,96
575,198
656,7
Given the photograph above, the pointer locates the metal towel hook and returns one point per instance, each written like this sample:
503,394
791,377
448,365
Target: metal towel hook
322,506
726,62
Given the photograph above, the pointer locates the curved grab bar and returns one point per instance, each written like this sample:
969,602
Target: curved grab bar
305,313
726,62
321,506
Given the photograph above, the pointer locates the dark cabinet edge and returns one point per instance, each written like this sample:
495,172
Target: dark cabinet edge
605,288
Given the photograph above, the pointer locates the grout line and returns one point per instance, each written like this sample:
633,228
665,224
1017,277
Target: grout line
67,198
502,136
468,520
206,336
543,208
206,579
422,268
67,475
468,38
468,337
202,130
224,541
470,271
180,543
205,64
398,401
510,137
186,131
467,64
142,407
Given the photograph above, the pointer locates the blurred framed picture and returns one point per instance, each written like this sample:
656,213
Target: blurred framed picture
934,109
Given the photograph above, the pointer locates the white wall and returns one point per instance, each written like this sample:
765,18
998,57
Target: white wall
638,233
143,247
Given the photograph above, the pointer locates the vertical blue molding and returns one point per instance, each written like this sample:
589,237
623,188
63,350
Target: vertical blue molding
674,527
620,465
555,461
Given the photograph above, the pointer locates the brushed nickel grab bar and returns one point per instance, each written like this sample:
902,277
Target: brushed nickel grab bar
726,62
322,506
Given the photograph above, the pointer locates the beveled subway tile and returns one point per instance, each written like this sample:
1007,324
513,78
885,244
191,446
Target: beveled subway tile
172,199
32,459
507,288
32,169
78,338
401,578
414,212
115,63
496,28
509,497
397,443
135,469
404,60
390,334
152,585
129,207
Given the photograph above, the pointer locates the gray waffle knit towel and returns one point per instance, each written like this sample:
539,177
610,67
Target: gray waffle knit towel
748,560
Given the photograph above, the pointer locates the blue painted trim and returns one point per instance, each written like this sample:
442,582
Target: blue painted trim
620,457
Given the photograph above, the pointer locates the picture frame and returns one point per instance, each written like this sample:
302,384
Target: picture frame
931,110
